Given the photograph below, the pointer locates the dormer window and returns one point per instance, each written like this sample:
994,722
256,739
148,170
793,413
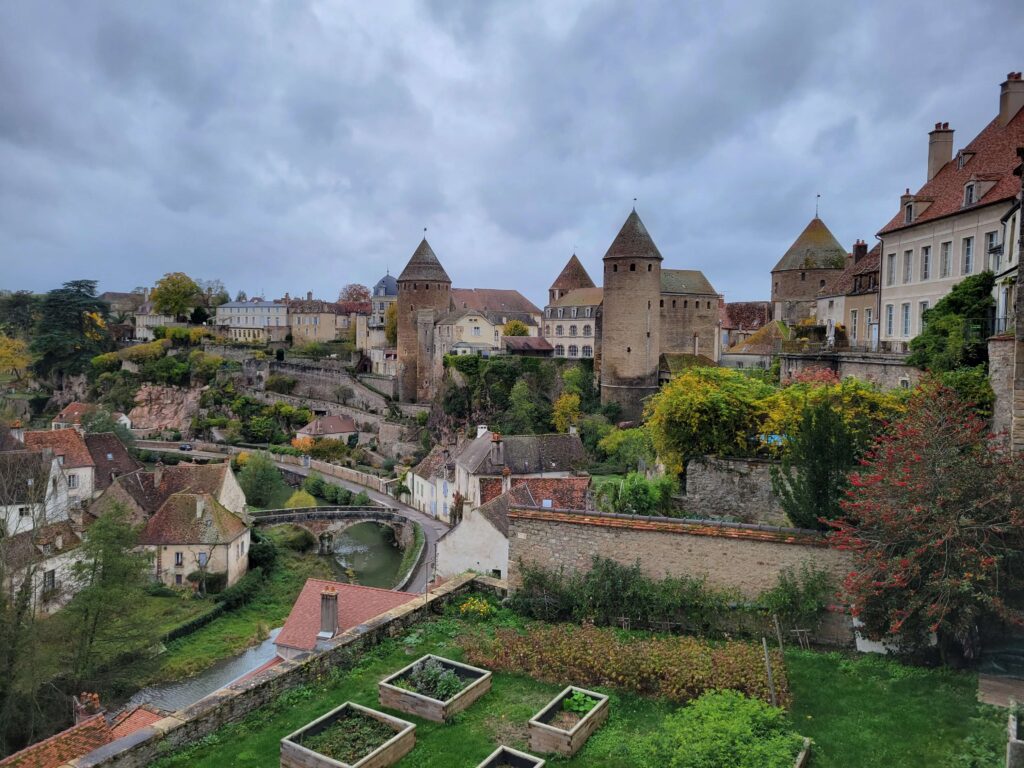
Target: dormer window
963,158
908,213
969,198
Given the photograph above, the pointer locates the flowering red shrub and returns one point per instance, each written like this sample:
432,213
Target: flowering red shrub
814,375
676,668
934,522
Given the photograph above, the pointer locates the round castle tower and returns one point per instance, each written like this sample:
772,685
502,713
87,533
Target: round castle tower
631,333
424,294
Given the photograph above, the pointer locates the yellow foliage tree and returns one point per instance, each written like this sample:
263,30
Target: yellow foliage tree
516,328
14,355
566,411
299,500
303,443
391,324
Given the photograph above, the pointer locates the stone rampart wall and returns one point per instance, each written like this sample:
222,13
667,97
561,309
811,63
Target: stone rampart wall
738,490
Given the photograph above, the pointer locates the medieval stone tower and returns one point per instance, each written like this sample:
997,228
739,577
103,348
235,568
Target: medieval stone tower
424,294
631,333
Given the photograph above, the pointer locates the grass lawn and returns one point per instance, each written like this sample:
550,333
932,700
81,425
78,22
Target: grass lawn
246,626
861,713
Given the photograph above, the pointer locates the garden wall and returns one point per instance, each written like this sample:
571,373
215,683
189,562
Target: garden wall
234,702
735,489
1000,376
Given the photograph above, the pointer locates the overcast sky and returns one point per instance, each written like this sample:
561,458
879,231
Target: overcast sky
294,146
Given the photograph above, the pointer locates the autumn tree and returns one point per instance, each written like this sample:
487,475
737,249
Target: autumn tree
935,525
354,292
300,499
391,324
566,412
14,356
515,328
175,294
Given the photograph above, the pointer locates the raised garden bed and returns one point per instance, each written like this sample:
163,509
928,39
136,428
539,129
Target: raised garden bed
804,758
350,736
564,725
506,757
434,688
1014,743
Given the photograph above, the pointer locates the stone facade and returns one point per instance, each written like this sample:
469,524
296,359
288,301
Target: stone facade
729,556
690,324
733,489
1000,376
888,371
424,294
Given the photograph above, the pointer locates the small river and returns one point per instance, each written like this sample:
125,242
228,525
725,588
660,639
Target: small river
367,550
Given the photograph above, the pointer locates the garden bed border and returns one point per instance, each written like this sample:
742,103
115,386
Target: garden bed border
547,738
535,762
294,755
427,707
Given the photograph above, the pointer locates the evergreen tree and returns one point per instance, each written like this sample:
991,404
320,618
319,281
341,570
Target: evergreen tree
71,330
521,415
813,476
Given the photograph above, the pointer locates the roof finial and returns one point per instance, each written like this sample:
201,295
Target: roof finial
816,199
634,205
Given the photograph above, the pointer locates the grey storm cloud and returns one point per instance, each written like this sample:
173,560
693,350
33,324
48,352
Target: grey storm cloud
292,146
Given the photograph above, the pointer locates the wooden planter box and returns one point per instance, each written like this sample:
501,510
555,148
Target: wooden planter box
294,755
804,758
412,703
1014,744
503,756
548,738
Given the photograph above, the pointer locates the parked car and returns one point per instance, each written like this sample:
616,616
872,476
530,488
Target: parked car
185,447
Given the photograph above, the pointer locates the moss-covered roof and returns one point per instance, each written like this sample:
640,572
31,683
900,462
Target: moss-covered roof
815,248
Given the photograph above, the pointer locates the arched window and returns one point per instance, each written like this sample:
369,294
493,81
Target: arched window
574,351
586,330
588,351
572,330
558,330
559,350
548,312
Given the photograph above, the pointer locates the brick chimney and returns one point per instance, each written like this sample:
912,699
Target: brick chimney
328,614
1011,97
497,450
506,480
86,705
860,250
940,148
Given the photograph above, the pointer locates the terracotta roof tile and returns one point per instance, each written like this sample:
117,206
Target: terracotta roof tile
573,275
192,518
524,454
526,344
432,464
329,425
492,300
132,720
532,492
994,156
149,496
356,605
72,413
110,458
92,733
63,442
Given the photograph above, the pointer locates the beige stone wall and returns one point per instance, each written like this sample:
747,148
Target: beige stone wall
231,495
733,489
795,292
222,558
861,304
750,565
686,317
1000,376
418,304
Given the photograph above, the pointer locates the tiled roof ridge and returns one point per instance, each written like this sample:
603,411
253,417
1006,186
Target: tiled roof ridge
331,583
16,758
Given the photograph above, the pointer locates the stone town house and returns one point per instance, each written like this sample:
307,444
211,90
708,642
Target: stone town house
953,226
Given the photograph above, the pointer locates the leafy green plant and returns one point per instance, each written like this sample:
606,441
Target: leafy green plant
350,738
431,678
579,703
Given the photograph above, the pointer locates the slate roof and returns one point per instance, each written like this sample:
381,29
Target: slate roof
746,315
633,241
581,297
424,265
685,281
79,740
319,306
762,342
386,286
524,454
526,344
329,425
23,549
192,518
994,158
110,458
252,303
494,318
498,300
63,442
356,605
17,468
573,275
815,248
142,488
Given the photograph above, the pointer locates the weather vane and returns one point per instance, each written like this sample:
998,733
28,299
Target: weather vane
817,198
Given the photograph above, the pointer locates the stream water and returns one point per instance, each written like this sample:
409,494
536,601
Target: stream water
367,550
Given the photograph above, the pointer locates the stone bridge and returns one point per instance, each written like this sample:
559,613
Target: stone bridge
326,523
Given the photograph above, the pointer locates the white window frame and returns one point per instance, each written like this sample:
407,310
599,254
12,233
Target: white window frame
905,319
967,255
926,262
890,317
946,259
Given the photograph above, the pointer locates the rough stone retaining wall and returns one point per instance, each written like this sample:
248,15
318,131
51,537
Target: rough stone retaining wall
734,489
234,702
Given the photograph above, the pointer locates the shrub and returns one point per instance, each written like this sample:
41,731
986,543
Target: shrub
298,539
675,668
475,608
329,493
244,590
281,384
208,583
361,499
718,729
262,552
314,484
159,589
299,500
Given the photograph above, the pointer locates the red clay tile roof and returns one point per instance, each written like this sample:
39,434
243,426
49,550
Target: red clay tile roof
132,720
868,263
572,276
815,248
182,478
531,492
745,315
192,518
63,442
492,300
356,605
329,425
994,157
432,464
110,457
424,265
526,344
633,241
73,413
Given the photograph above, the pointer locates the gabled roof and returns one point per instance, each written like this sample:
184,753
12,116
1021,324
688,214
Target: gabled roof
531,492
581,297
573,275
815,248
633,241
63,442
356,605
526,344
498,300
993,157
192,518
433,463
72,413
686,281
28,547
110,458
523,454
745,315
424,265
149,496
330,425
763,341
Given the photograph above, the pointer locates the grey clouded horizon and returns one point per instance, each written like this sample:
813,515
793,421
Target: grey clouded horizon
294,146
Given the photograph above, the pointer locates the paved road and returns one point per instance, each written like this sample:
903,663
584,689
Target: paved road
432,529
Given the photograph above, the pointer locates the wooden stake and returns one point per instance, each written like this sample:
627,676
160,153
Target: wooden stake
768,669
778,631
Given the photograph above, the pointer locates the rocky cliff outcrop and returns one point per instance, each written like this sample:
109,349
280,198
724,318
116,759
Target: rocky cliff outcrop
159,407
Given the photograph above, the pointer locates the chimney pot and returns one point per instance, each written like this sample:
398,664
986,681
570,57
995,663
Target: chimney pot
1011,97
940,148
328,613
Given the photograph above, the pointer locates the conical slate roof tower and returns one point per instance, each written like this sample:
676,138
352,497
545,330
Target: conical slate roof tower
424,294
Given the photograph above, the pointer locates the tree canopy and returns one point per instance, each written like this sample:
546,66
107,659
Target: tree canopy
354,292
175,294
14,355
515,328
71,329
956,328
391,324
